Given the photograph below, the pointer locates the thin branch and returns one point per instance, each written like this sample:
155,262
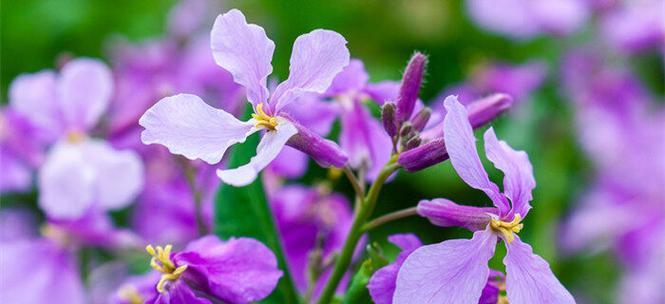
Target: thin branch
360,192
390,217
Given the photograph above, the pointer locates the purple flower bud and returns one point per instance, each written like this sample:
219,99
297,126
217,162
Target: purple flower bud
486,109
325,152
420,120
405,130
411,81
388,118
423,156
413,142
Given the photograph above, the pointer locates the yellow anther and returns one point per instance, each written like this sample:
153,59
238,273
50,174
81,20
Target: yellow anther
264,120
130,294
75,136
508,228
161,261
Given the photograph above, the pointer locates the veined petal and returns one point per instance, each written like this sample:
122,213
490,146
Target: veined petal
317,58
454,271
34,97
382,283
446,213
84,92
186,125
271,144
66,182
119,174
461,147
518,181
245,51
529,278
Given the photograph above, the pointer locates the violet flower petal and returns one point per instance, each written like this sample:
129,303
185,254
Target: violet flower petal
179,292
240,270
529,278
188,126
423,156
518,181
454,271
289,163
271,144
383,91
16,175
34,97
317,58
84,91
353,78
245,51
382,283
446,213
461,147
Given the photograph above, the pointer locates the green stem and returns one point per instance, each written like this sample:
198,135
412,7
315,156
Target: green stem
390,217
190,172
361,214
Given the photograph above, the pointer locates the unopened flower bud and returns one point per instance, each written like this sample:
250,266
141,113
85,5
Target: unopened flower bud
408,91
388,118
486,109
420,120
413,142
423,156
405,130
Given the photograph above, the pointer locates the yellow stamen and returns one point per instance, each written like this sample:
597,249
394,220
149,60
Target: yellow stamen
75,136
264,120
161,261
508,228
130,294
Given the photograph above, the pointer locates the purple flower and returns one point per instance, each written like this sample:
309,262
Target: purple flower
526,19
236,271
457,269
21,151
188,126
305,217
79,173
382,283
634,26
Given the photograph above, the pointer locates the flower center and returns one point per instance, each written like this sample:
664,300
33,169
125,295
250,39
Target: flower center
130,294
161,261
264,120
507,228
75,137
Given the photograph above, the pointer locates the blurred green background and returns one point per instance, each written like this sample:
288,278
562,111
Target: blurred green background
34,33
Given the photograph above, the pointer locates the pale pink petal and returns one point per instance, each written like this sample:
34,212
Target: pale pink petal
34,97
317,58
461,147
66,182
119,174
186,125
269,147
518,181
84,92
529,278
454,271
245,51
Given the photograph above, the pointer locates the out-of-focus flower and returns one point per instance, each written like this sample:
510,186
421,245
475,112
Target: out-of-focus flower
634,26
621,129
526,19
458,268
183,123
21,151
310,219
235,271
382,283
79,173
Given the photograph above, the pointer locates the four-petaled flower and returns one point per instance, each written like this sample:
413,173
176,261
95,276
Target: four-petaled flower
188,126
456,271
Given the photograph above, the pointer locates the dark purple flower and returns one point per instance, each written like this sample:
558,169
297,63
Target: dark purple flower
184,122
457,269
235,271
410,87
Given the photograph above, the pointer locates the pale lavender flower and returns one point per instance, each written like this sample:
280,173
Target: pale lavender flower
305,217
456,271
527,19
188,126
21,151
210,270
79,173
634,26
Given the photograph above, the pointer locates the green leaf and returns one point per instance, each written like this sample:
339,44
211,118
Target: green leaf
244,212
357,292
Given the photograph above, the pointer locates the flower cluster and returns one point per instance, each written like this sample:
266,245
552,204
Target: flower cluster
101,160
